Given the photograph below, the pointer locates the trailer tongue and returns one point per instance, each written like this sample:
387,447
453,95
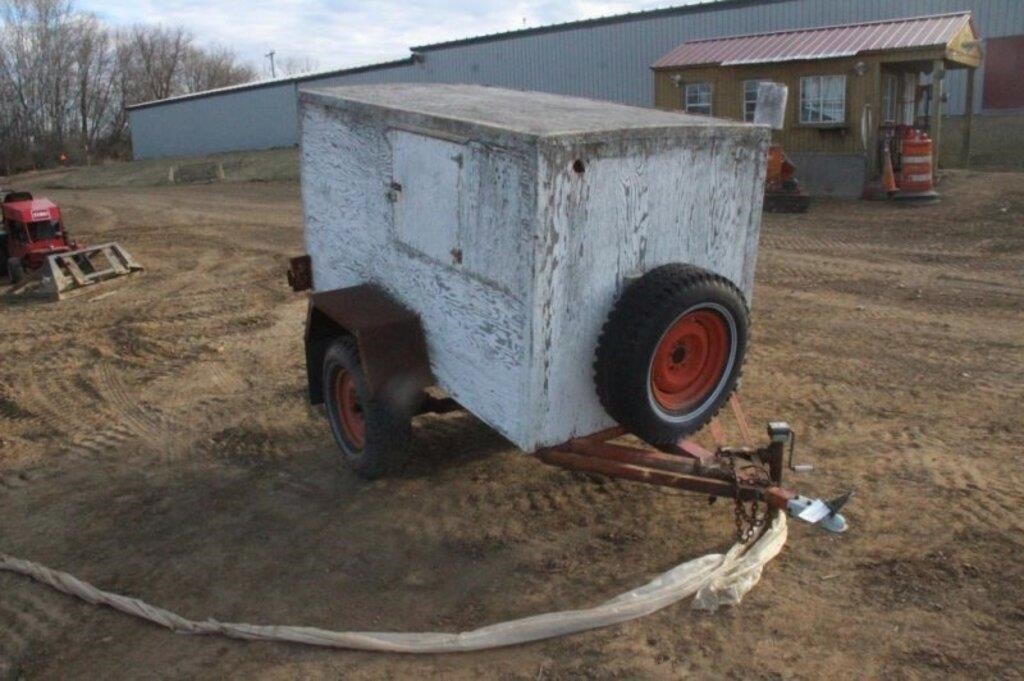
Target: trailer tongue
751,476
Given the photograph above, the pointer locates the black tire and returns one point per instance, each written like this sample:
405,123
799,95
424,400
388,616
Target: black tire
3,255
640,319
388,427
15,270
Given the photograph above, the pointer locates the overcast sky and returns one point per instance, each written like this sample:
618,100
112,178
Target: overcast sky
340,33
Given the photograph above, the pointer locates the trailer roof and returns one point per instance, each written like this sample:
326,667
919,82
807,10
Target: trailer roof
531,113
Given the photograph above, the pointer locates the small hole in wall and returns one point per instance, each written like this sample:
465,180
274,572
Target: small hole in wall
578,167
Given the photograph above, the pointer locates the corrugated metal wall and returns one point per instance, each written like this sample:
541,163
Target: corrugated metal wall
606,61
260,118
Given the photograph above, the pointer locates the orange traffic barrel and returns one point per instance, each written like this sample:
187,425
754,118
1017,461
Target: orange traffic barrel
916,177
916,163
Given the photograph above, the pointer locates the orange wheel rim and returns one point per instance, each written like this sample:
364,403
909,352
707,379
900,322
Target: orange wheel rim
690,360
350,409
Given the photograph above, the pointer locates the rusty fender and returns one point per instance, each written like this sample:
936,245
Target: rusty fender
392,347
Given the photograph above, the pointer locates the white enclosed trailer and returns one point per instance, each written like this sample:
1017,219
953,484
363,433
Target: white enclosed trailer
510,222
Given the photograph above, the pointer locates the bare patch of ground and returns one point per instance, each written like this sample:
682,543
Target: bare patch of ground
154,439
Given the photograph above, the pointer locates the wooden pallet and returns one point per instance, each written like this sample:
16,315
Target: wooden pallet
67,273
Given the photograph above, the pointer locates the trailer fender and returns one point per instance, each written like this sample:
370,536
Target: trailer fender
390,339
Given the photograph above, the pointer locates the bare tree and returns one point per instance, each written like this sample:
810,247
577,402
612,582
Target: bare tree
37,67
214,68
158,54
65,79
95,70
296,66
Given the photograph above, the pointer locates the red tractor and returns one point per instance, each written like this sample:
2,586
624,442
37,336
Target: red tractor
33,238
32,230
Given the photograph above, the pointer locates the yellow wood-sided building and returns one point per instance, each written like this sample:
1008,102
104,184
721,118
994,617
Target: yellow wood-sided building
849,87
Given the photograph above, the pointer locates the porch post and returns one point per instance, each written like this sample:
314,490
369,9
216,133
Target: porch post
965,150
871,142
935,120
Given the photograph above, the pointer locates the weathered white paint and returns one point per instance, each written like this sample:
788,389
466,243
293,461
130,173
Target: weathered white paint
510,256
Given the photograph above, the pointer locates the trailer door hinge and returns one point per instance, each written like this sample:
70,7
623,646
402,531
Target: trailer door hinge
394,190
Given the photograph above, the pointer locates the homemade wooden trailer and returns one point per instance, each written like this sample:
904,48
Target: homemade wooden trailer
565,269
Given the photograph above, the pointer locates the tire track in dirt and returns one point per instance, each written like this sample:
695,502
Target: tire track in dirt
937,258
12,410
27,616
515,513
91,218
877,396
978,499
97,432
141,418
100,445
56,398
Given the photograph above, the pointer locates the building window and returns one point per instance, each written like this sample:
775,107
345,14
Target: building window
822,99
890,98
750,98
697,98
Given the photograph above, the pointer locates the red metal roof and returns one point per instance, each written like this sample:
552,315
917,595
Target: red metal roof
31,211
826,42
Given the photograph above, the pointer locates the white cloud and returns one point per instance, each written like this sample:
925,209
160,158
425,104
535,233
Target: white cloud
339,33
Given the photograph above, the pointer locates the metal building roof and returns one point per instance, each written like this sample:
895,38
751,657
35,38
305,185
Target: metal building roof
826,42
692,7
272,82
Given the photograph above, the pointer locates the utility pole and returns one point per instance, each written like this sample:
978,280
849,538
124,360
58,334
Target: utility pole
270,55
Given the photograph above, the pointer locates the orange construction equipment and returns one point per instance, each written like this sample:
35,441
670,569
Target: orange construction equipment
782,193
888,176
775,155
916,178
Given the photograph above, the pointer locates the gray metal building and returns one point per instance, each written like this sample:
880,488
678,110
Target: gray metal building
606,58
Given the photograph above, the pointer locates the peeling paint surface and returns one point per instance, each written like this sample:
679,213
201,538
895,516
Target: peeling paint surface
637,205
512,242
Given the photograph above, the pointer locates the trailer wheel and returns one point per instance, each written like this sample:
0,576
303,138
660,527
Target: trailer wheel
373,435
671,352
15,270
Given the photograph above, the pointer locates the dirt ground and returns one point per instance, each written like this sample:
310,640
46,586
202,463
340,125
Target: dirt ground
155,440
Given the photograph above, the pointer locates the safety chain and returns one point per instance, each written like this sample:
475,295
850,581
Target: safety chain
749,519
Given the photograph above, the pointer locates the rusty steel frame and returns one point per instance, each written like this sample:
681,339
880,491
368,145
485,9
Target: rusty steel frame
394,356
685,465
393,350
